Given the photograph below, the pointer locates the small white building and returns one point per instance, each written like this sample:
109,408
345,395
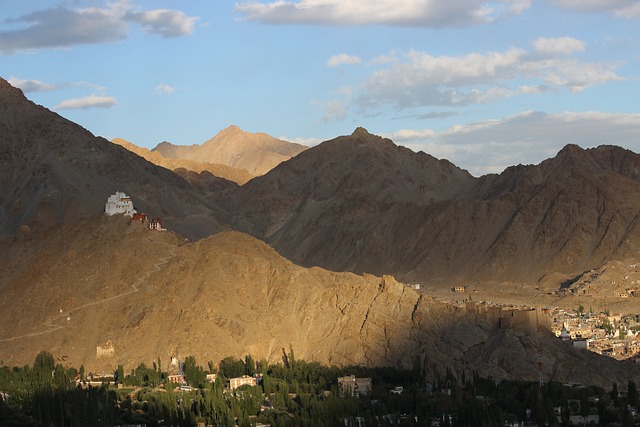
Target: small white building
352,386
119,203
234,383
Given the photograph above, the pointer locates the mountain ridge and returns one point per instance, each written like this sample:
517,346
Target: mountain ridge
237,292
77,280
256,152
56,171
333,207
239,176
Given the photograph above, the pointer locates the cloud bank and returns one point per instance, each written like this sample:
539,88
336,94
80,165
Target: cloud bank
404,13
62,27
163,22
419,79
532,136
624,9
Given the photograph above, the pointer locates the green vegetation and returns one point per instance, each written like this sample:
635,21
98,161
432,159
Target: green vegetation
294,393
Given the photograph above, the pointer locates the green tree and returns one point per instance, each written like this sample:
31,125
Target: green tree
193,373
230,367
44,363
249,364
614,392
119,377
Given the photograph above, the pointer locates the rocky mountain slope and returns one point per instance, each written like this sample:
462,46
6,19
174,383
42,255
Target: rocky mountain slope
102,291
55,171
258,153
239,176
356,203
359,203
105,291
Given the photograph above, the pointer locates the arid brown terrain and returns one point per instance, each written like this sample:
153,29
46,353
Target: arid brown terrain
106,291
54,171
239,176
257,153
360,203
319,239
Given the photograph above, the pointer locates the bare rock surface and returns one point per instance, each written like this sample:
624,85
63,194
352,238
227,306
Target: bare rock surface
257,153
239,176
360,203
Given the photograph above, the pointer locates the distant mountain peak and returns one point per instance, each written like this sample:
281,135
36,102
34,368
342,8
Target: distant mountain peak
571,148
257,153
231,130
363,136
360,131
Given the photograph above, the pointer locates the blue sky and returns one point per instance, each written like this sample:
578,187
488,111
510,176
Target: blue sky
485,84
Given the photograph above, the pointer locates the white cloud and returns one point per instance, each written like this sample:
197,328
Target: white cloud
558,46
91,101
405,135
164,89
31,85
420,79
415,13
309,142
384,59
334,110
625,9
167,23
529,137
62,27
343,59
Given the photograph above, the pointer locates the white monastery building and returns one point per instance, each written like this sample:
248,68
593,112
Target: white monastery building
119,203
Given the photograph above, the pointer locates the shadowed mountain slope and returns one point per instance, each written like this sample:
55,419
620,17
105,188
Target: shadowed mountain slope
257,153
55,171
84,291
359,203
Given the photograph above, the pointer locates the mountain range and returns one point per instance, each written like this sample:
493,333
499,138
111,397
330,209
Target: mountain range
76,281
360,203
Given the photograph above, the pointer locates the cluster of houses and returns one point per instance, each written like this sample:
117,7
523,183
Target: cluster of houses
611,335
616,336
347,386
121,204
234,383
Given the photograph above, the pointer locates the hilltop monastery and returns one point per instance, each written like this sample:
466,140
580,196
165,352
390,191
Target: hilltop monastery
122,204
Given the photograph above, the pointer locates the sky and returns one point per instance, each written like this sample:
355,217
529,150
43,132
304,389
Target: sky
484,84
